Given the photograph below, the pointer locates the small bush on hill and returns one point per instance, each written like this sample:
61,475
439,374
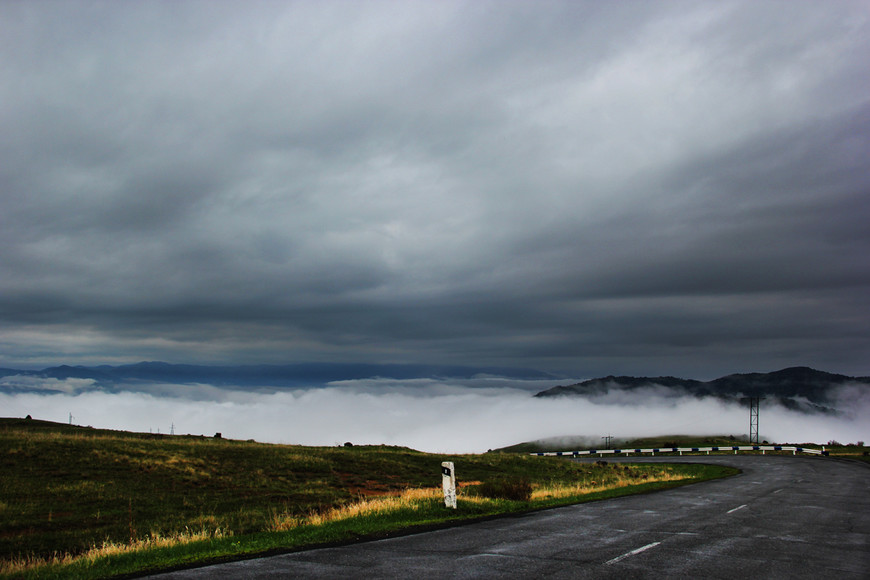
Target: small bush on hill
516,489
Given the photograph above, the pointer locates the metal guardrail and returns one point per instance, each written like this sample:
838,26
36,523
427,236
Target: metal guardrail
681,450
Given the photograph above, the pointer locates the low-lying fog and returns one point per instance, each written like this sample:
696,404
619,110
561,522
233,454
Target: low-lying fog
430,415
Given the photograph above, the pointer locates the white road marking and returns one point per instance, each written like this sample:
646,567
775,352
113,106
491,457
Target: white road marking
777,491
737,508
632,553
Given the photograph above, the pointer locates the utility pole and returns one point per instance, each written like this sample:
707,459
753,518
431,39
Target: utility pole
607,440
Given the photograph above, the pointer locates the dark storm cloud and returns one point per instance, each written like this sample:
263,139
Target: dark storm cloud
674,188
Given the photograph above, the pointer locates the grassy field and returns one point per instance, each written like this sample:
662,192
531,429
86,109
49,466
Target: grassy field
853,452
643,443
665,441
90,503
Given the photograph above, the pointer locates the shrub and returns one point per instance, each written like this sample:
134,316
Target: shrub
516,489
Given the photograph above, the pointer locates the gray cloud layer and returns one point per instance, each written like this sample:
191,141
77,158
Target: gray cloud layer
629,188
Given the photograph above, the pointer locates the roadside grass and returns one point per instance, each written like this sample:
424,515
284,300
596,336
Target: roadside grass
84,503
641,443
669,441
685,441
854,452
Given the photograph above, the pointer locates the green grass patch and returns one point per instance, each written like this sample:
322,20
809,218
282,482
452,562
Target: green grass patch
854,452
105,503
641,443
668,441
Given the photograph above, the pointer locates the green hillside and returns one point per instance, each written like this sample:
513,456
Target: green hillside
66,490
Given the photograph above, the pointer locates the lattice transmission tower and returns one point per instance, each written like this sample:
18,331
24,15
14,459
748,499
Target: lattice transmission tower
753,419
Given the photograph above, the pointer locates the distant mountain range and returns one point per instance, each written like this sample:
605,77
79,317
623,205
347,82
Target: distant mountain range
281,376
797,388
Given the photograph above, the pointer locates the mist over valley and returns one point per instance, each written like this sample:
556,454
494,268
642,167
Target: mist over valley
462,409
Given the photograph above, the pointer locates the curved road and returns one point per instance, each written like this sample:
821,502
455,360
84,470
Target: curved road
783,517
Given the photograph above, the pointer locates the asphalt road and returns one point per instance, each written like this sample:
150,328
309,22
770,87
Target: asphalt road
783,517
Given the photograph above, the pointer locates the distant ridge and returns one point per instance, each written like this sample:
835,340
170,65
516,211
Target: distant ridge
287,376
798,388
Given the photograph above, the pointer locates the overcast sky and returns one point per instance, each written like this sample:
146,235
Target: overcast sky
587,188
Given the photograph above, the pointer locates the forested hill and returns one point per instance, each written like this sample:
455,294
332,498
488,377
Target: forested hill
799,388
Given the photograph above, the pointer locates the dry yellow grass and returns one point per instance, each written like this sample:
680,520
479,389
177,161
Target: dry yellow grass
543,492
16,565
407,499
412,498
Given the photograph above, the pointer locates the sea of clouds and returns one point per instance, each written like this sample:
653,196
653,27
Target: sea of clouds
445,416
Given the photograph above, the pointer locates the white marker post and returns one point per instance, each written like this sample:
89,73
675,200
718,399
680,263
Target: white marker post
448,482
